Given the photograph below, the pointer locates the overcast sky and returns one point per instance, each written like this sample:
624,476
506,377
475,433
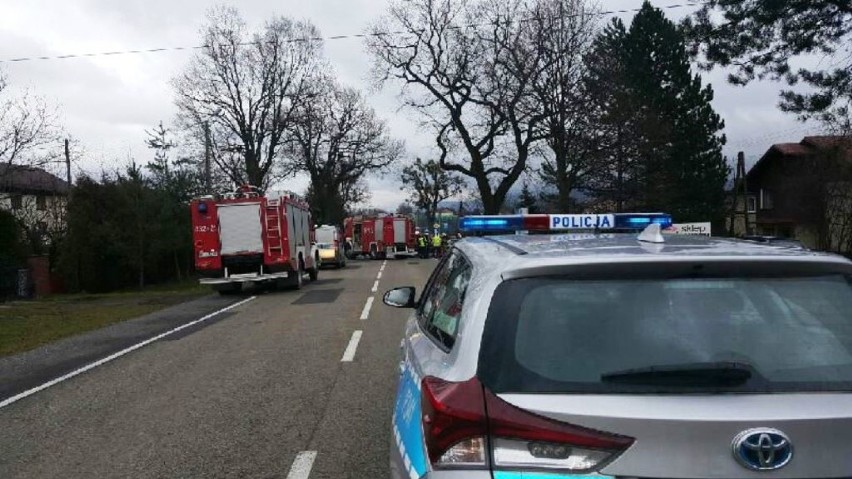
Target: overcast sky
107,102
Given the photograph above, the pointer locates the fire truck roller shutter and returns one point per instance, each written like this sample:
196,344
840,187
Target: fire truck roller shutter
380,229
240,228
291,230
399,230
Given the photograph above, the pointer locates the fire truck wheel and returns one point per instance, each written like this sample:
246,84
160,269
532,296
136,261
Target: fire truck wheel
296,280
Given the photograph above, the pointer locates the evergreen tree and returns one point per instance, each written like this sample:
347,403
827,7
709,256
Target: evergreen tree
666,149
615,114
527,199
760,38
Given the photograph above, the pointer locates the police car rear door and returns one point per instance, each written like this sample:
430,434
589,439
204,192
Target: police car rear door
429,339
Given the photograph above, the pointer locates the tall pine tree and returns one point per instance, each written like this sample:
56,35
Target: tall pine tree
664,136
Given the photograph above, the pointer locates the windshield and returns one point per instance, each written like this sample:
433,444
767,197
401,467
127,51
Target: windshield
325,246
564,335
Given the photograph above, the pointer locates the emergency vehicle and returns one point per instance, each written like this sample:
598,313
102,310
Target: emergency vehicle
246,237
330,245
588,350
380,237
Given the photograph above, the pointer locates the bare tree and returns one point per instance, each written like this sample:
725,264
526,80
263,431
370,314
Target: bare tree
245,88
405,209
29,129
467,70
336,139
564,30
428,185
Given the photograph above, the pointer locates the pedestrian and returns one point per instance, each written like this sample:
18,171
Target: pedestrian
436,245
422,251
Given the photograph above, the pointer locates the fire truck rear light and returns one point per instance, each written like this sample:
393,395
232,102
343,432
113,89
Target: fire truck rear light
469,452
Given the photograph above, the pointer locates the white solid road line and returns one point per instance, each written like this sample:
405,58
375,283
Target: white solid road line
349,353
365,313
302,465
375,286
119,354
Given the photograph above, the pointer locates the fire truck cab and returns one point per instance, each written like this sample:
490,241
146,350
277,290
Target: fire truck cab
245,237
380,237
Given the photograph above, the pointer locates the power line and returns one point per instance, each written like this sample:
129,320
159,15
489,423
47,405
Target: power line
306,39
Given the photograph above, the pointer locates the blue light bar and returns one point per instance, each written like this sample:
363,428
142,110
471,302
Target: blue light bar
491,223
639,221
617,221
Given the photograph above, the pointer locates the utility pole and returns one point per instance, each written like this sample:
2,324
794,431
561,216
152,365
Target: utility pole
740,200
68,162
207,150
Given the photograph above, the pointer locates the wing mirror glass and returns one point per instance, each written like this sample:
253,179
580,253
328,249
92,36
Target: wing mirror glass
400,297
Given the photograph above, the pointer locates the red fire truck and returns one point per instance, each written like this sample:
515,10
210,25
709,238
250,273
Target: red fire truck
246,237
380,237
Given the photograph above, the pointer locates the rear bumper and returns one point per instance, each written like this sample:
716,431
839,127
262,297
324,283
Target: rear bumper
244,278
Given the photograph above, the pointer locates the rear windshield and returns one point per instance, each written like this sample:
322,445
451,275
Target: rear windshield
559,334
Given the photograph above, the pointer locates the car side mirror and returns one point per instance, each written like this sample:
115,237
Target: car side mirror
401,297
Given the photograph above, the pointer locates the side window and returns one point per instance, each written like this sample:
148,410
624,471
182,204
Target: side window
442,305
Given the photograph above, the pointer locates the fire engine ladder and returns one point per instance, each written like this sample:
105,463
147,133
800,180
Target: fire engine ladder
274,241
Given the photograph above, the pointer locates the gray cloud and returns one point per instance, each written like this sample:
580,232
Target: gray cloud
108,102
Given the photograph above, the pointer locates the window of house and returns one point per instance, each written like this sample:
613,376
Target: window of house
751,204
41,203
17,202
765,199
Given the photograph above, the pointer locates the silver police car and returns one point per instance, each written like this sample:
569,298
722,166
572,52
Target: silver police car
603,355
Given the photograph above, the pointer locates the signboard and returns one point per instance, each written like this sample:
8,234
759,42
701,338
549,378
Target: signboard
692,229
568,222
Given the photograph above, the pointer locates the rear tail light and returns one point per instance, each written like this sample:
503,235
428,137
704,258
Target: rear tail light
454,422
465,425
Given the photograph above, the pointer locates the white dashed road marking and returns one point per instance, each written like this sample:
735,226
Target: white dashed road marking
379,276
349,353
365,313
301,468
119,354
375,286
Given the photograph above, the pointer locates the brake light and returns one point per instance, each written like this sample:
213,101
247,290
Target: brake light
522,439
461,421
454,422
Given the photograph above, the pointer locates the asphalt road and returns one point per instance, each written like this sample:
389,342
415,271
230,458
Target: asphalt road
261,390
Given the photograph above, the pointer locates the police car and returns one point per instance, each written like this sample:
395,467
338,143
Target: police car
629,355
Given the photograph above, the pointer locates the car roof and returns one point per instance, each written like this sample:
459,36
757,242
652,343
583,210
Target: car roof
506,252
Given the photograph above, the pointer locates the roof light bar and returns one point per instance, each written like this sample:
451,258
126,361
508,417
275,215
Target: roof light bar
615,221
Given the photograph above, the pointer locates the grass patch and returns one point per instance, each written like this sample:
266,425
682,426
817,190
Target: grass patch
26,325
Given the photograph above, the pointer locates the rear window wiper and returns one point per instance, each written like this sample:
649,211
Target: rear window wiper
695,374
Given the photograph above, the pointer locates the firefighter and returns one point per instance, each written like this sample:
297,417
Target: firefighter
422,250
436,245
